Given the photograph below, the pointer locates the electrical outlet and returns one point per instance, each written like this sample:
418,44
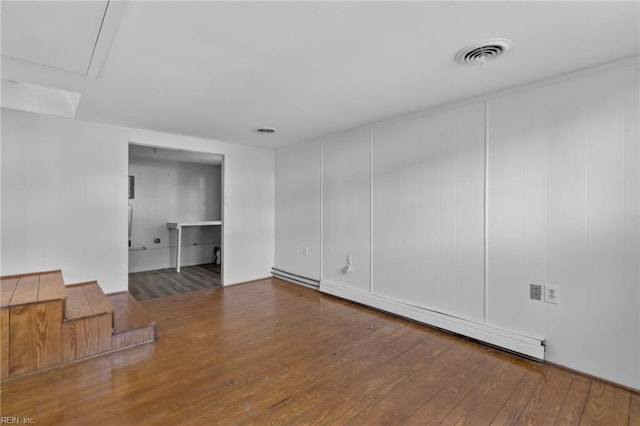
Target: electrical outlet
552,294
349,260
535,291
305,251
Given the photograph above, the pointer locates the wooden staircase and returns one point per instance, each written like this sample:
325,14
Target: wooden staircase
44,323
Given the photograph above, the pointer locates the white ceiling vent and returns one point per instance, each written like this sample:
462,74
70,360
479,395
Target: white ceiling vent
483,51
266,130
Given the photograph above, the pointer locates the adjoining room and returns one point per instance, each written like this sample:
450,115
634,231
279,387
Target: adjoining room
175,221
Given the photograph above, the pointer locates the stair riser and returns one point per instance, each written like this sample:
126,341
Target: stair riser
133,337
35,337
85,337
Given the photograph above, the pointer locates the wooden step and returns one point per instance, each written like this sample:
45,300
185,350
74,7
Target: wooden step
86,300
88,324
38,287
31,312
132,325
44,324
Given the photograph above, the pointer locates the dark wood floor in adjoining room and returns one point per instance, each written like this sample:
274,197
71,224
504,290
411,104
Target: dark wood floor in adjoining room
270,352
167,282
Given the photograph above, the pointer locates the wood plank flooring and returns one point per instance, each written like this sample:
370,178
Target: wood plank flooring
167,282
271,352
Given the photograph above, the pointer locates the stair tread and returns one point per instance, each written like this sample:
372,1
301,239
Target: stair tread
97,299
51,286
86,300
31,288
7,287
128,313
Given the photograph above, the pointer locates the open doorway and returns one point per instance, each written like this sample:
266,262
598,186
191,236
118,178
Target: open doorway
175,221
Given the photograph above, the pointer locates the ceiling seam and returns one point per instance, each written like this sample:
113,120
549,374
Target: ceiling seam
95,44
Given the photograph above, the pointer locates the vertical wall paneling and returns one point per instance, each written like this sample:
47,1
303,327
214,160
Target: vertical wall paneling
534,214
631,215
346,209
371,223
428,209
567,225
563,206
605,209
448,215
321,210
514,159
469,124
390,276
486,212
298,209
459,209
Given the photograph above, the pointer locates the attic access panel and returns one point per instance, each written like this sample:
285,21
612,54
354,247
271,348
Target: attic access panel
71,36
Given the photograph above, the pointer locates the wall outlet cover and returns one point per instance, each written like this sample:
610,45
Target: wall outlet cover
535,291
552,294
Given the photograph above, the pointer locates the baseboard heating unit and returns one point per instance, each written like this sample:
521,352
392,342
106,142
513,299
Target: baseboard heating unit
529,346
294,278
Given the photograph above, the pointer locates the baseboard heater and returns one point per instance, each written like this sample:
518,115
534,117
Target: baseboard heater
294,278
532,347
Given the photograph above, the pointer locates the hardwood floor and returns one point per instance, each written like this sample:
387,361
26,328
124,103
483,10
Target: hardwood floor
167,282
270,352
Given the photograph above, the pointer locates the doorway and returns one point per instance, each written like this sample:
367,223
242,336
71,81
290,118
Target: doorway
176,223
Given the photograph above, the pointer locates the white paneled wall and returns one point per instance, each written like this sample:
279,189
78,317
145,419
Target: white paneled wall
562,180
298,210
72,213
346,209
517,221
428,211
461,208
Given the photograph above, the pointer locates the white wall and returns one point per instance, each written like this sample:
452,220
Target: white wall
173,191
64,199
467,210
428,210
63,205
346,209
298,210
563,210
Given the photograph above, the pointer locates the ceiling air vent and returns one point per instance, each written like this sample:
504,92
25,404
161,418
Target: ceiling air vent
483,51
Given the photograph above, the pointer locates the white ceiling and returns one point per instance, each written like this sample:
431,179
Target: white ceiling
219,70
30,33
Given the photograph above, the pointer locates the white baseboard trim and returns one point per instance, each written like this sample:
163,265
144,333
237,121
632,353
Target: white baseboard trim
529,346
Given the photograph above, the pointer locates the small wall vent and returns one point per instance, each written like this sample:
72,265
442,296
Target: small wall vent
483,51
